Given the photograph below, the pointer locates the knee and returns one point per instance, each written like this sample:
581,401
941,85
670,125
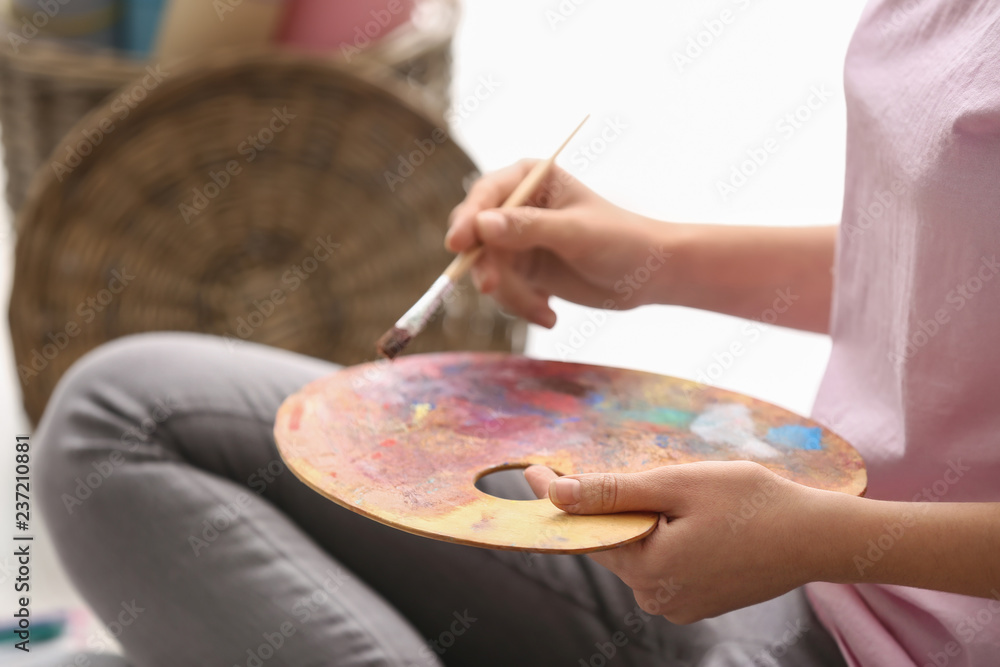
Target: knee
105,386
95,417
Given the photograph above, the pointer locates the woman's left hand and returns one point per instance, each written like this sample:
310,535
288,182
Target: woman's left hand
730,534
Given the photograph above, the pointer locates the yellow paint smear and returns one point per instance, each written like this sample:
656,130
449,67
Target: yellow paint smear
420,411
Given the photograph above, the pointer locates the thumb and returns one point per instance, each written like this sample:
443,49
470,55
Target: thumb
608,493
525,227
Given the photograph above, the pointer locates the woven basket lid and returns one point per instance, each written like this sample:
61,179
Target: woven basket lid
268,197
47,85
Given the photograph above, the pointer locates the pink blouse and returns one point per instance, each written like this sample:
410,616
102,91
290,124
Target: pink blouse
914,376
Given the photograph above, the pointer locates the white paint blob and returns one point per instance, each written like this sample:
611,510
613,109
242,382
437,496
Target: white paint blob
731,424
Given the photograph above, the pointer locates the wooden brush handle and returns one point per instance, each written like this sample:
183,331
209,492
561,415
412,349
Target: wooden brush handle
464,261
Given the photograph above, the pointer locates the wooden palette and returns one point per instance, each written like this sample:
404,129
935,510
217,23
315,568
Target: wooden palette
404,442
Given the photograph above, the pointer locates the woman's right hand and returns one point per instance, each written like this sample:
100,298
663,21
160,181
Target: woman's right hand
567,242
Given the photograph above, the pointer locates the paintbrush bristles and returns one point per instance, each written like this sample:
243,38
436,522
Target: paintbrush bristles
416,318
393,342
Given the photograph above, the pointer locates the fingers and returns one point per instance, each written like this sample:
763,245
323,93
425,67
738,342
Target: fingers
527,227
608,493
539,478
495,274
519,298
486,273
488,192
660,601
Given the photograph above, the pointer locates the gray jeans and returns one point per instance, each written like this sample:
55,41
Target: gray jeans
179,524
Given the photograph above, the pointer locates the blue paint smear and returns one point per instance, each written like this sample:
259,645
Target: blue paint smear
566,420
663,441
799,437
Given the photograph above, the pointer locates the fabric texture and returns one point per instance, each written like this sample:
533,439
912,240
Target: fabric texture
169,504
914,376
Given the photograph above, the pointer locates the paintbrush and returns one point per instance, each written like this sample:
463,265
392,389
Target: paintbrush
416,318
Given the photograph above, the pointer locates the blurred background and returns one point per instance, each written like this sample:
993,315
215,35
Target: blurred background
681,95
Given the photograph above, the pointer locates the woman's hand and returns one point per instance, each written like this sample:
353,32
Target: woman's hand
731,533
568,242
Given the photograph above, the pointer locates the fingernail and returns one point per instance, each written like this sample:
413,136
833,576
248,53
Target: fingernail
566,490
492,222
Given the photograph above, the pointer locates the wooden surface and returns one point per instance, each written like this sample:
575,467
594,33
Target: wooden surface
404,442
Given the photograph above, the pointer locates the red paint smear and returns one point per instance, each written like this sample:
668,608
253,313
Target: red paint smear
388,443
377,455
295,418
550,400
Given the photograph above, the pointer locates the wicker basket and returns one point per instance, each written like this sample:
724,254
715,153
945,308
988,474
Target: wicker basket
45,88
315,240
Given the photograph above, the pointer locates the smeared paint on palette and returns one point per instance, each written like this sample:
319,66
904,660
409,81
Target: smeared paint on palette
404,442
